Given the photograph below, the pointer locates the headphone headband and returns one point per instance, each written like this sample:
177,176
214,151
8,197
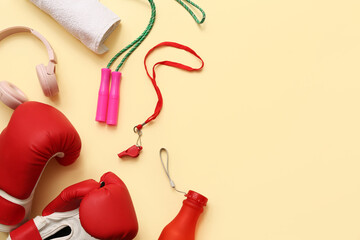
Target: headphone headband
10,94
20,29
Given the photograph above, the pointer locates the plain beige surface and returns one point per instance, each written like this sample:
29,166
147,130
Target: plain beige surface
269,130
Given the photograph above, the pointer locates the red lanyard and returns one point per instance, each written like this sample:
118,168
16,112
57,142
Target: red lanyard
167,63
135,150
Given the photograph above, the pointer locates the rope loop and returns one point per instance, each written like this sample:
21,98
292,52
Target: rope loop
191,12
166,169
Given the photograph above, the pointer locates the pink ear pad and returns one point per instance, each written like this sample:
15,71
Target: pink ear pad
10,95
48,81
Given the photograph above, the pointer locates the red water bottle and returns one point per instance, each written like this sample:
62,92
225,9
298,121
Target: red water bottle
184,224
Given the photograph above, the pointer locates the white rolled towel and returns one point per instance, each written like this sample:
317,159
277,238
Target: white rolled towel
87,20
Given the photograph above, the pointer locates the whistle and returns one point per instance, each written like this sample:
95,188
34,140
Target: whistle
133,152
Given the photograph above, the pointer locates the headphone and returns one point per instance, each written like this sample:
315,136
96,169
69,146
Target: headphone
11,95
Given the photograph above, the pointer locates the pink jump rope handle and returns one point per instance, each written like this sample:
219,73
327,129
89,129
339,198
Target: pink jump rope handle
103,95
113,107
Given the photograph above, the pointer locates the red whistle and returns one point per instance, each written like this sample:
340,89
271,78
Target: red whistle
133,151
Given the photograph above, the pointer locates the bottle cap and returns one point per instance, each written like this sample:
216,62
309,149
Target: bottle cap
197,197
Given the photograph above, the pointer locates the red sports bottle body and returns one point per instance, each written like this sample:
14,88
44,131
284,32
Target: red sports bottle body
184,224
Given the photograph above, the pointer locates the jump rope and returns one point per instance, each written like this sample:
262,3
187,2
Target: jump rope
108,101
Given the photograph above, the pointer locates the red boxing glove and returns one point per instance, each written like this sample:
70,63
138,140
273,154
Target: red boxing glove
35,134
85,211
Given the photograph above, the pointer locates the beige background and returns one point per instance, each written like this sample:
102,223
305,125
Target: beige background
269,130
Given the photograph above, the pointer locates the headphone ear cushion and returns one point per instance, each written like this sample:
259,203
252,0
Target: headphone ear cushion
11,95
47,81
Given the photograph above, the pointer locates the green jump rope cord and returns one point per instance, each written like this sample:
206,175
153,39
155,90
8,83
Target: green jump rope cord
133,45
191,12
